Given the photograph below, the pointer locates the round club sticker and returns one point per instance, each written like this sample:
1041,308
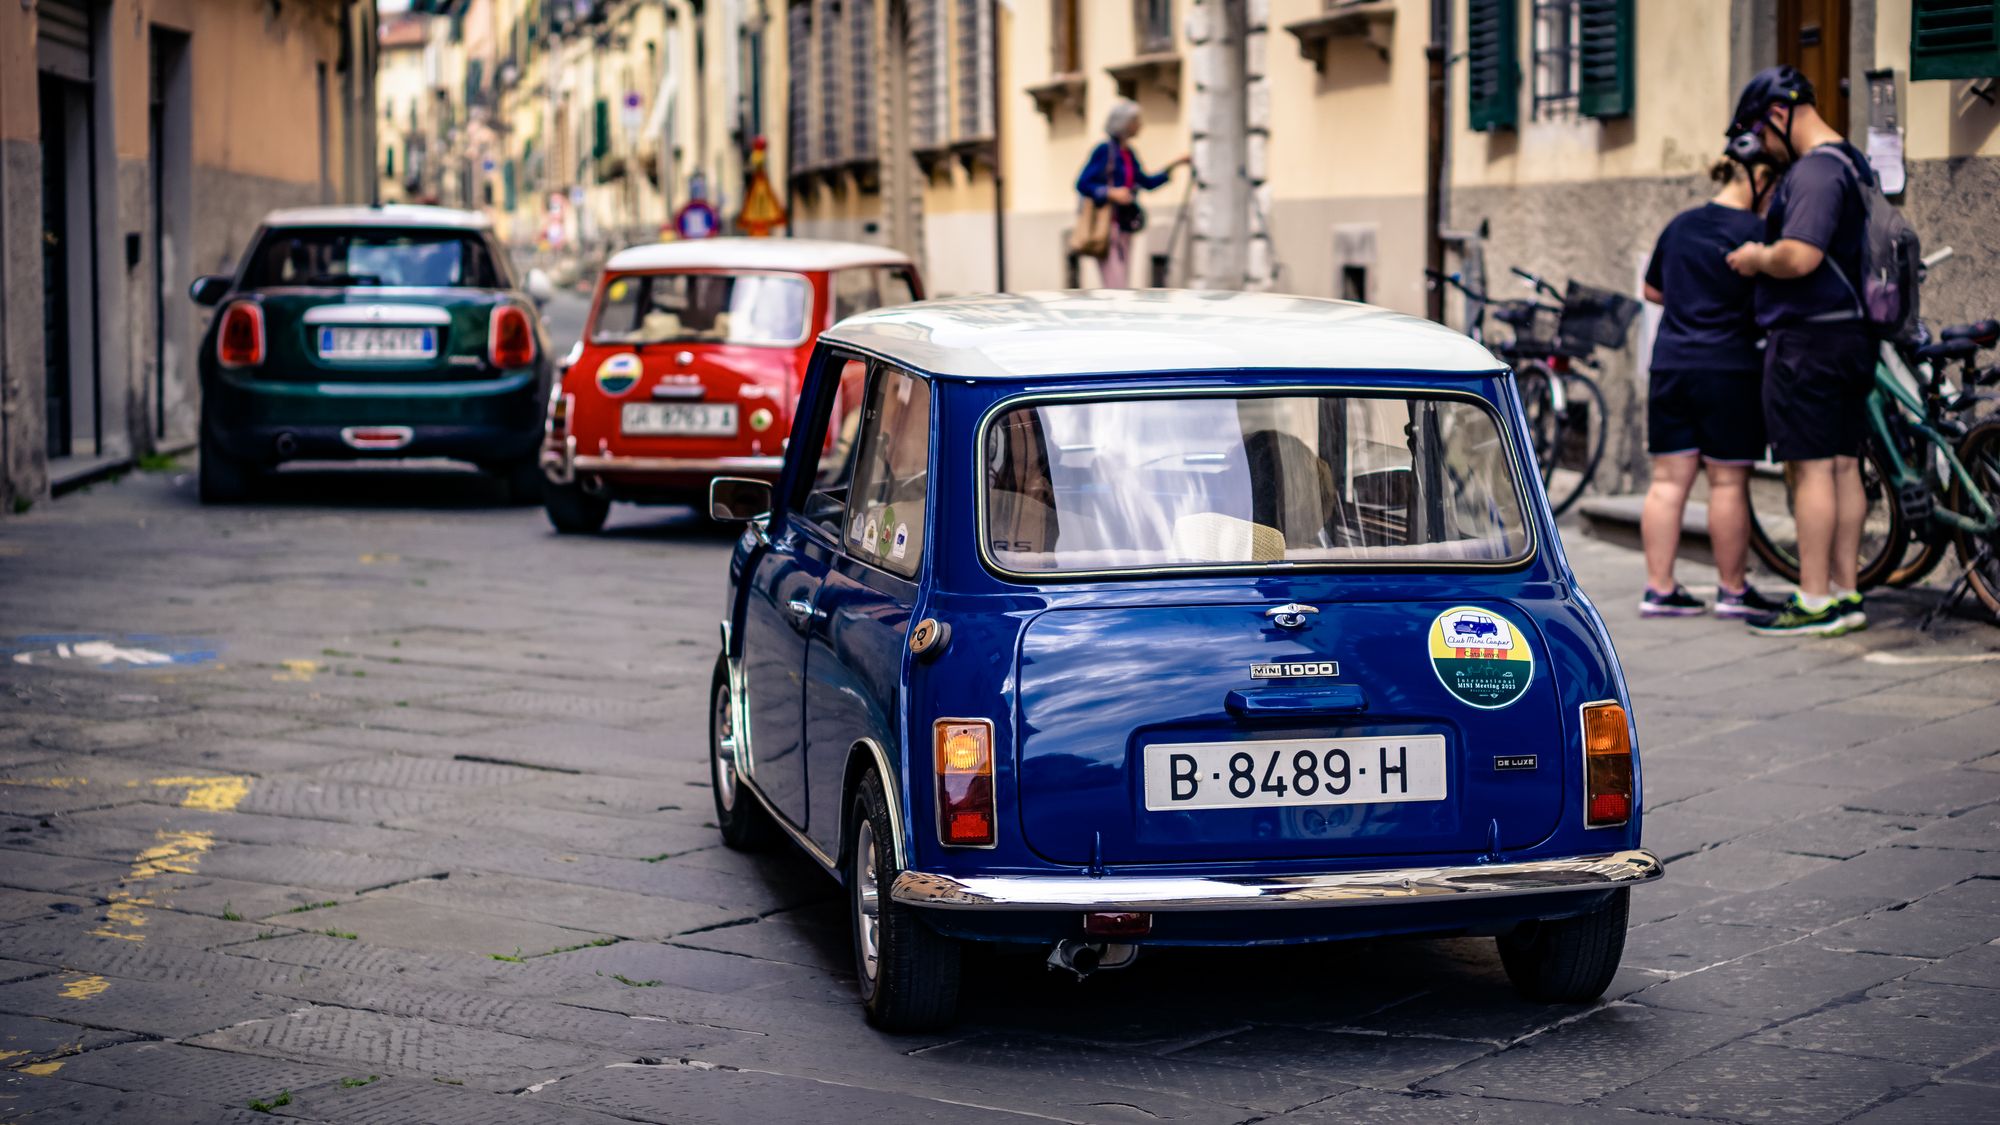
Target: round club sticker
1480,657
618,373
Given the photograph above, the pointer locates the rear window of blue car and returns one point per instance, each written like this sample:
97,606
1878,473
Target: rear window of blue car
1156,482
361,257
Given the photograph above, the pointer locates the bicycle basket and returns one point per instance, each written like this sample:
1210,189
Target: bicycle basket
1537,327
1593,317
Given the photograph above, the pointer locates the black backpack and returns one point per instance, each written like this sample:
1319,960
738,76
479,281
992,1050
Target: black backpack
1891,259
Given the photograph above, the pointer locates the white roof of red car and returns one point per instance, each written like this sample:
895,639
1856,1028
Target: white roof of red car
1127,331
753,254
386,215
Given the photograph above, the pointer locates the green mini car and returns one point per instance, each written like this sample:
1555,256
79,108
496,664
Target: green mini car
372,332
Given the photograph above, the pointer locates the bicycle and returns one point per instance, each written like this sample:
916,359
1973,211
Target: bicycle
1564,406
1930,467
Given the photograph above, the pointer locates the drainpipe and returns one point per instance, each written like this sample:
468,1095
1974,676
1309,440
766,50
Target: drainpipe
999,177
1436,52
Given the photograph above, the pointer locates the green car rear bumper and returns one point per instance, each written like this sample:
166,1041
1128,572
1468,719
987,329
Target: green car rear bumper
485,421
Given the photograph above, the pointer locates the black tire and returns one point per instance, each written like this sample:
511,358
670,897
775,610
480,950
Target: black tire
1979,452
744,824
1535,379
1579,442
224,479
908,973
524,481
1884,538
1920,557
1567,960
573,511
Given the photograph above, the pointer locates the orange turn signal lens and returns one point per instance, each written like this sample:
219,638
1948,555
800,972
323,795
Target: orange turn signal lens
1607,766
964,751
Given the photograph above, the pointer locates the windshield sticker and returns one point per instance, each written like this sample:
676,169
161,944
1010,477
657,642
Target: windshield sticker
1480,657
618,373
900,545
871,536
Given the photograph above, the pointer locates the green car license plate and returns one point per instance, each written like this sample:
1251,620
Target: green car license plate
377,343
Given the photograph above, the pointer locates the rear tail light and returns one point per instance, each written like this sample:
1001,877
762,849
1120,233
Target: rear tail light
1607,766
510,338
965,781
239,339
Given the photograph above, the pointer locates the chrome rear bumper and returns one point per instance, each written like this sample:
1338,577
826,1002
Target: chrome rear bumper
1350,888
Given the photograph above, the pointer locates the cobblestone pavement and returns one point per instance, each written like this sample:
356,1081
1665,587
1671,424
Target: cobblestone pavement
378,802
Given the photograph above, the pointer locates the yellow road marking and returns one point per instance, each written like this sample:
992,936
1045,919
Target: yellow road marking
296,671
5,1055
372,558
83,988
215,794
42,1070
46,782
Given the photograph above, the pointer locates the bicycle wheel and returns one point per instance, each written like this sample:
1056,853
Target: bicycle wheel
1537,384
1921,557
1579,441
1980,554
1774,537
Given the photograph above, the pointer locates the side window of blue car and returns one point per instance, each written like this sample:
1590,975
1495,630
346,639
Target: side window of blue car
826,500
885,521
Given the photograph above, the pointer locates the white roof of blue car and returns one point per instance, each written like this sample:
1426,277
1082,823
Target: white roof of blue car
1125,331
386,215
754,254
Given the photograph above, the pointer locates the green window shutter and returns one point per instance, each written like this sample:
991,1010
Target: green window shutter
389,161
507,186
1604,47
474,73
1954,39
1493,64
600,145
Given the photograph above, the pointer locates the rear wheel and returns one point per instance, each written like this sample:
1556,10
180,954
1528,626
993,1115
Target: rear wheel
1774,535
573,511
1980,554
1567,960
908,972
1579,441
224,479
744,824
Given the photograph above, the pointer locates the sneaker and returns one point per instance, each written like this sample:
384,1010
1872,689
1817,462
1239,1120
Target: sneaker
1853,611
1795,619
1680,603
1746,602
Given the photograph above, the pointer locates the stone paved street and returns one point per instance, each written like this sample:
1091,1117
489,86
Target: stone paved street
412,824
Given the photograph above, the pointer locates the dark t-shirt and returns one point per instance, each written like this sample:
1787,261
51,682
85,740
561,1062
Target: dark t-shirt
1819,203
1707,323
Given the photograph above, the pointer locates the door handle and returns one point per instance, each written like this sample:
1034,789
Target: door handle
803,611
1346,699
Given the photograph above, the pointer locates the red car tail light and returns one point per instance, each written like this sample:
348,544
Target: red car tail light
1607,766
964,781
239,339
510,338
560,404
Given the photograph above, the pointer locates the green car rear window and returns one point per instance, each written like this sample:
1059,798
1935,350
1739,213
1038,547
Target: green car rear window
359,257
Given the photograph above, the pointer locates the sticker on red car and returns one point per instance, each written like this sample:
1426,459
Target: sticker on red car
618,373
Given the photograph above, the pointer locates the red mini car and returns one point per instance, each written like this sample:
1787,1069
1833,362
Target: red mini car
690,365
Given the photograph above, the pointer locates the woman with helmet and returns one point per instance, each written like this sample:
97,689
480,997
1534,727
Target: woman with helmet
1113,176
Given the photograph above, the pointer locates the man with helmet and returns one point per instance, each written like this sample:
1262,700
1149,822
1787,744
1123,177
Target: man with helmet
1819,357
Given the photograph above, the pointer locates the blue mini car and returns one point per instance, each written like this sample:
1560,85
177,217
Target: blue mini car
1104,620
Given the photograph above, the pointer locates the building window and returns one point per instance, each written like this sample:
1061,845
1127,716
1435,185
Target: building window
930,88
1555,58
860,16
1065,36
1604,57
1155,20
798,45
828,37
1493,71
974,59
1954,39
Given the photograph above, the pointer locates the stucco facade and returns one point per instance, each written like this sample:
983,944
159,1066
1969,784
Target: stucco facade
139,142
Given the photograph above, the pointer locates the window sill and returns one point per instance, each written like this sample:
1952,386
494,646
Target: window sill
1371,20
1161,71
1061,91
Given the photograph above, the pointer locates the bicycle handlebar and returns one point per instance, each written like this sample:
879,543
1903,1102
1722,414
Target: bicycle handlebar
1540,285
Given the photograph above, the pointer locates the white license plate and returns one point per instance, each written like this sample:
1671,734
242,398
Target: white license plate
685,419
378,343
1294,771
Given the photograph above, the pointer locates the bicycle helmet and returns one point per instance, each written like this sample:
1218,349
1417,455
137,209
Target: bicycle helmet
1777,85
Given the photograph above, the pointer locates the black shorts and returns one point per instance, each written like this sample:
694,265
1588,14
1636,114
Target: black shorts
1718,414
1816,383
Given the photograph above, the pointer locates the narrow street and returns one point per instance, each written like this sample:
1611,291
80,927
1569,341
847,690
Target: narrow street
378,801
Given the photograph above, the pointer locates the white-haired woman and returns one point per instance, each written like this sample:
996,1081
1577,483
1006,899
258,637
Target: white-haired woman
1113,175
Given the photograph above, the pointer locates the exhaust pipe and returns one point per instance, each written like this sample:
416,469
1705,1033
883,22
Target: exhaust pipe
287,444
1086,957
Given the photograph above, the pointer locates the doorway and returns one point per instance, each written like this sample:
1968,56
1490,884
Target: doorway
171,124
1812,36
69,273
